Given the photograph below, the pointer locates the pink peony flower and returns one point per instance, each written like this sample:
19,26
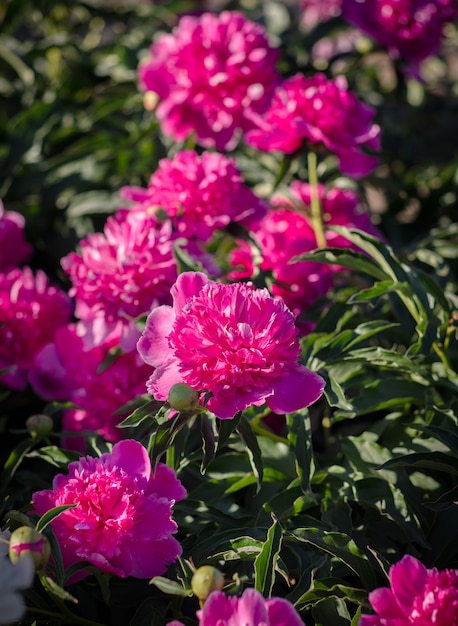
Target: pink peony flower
14,250
66,370
313,12
209,74
282,235
320,112
251,609
232,340
31,310
409,29
417,597
121,273
340,207
122,523
198,193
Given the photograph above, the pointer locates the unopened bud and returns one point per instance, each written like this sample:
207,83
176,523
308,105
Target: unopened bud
205,580
26,540
182,397
39,426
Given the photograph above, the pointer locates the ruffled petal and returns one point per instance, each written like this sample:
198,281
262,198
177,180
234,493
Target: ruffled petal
296,389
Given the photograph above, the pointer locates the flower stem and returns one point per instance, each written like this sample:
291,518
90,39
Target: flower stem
259,430
315,205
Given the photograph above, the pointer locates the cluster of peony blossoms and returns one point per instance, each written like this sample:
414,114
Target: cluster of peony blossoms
417,596
210,74
122,522
410,30
251,609
233,341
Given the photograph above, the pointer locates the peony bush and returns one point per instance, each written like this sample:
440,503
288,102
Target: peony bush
228,313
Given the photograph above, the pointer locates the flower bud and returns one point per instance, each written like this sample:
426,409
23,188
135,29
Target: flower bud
39,426
26,540
205,580
182,397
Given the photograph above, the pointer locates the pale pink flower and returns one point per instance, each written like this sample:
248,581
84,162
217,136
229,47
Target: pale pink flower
417,596
122,523
97,382
320,112
209,73
31,310
411,30
282,235
234,341
14,250
251,609
198,193
313,12
122,273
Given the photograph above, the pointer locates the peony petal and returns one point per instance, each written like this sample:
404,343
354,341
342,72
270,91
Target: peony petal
297,388
163,378
282,613
151,559
188,285
408,578
384,603
153,346
131,456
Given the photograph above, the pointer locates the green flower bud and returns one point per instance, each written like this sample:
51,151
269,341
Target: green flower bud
39,426
182,397
205,580
26,540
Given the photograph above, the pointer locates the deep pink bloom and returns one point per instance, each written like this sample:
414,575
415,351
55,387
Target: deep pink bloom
321,112
251,609
409,29
417,597
282,235
122,523
14,250
209,74
198,193
122,273
98,383
232,340
31,310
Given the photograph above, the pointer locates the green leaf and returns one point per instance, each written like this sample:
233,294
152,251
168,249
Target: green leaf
141,414
438,461
164,435
342,547
265,563
170,586
209,440
346,258
254,452
331,612
54,589
300,438
50,515
14,460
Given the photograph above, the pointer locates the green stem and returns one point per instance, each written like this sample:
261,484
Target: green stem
259,430
315,205
442,355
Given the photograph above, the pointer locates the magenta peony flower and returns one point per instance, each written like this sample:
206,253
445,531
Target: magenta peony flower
122,523
66,370
282,235
232,340
198,193
209,74
121,273
418,597
14,250
409,29
320,112
31,310
251,609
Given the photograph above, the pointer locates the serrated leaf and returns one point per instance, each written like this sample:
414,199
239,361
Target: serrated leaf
265,563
